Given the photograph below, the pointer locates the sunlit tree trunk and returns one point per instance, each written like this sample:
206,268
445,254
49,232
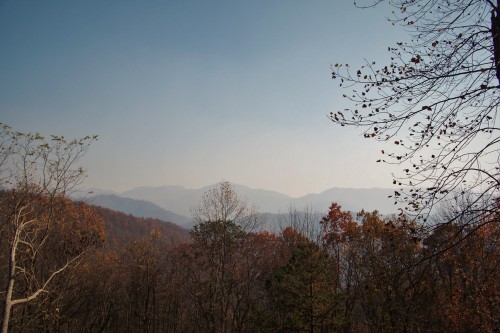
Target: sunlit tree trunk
35,175
10,285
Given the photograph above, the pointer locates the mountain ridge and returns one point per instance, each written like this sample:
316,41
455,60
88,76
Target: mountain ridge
138,208
178,199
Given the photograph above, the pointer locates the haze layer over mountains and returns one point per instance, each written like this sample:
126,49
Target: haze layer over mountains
173,203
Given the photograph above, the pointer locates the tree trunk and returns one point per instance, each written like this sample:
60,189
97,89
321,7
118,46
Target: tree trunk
495,34
7,306
10,286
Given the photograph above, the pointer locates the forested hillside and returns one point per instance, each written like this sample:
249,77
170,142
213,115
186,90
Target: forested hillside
139,208
360,273
123,228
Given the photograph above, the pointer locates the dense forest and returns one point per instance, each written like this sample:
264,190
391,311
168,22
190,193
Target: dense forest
345,273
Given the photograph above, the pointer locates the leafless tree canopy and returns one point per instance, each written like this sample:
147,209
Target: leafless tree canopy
43,233
222,203
435,103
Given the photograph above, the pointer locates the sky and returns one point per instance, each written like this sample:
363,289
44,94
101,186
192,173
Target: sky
190,93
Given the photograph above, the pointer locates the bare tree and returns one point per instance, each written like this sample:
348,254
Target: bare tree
436,103
222,203
35,175
216,257
305,221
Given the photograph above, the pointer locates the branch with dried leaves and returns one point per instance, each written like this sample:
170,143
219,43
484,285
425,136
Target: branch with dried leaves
436,102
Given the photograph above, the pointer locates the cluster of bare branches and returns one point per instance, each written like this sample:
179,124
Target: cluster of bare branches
43,233
436,104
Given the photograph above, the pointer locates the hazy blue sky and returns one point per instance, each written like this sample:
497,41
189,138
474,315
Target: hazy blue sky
193,92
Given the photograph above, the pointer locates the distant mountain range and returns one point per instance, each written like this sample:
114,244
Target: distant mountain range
138,208
173,203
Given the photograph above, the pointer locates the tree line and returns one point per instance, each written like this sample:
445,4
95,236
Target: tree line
362,273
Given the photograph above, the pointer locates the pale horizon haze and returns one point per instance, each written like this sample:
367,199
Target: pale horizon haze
190,93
